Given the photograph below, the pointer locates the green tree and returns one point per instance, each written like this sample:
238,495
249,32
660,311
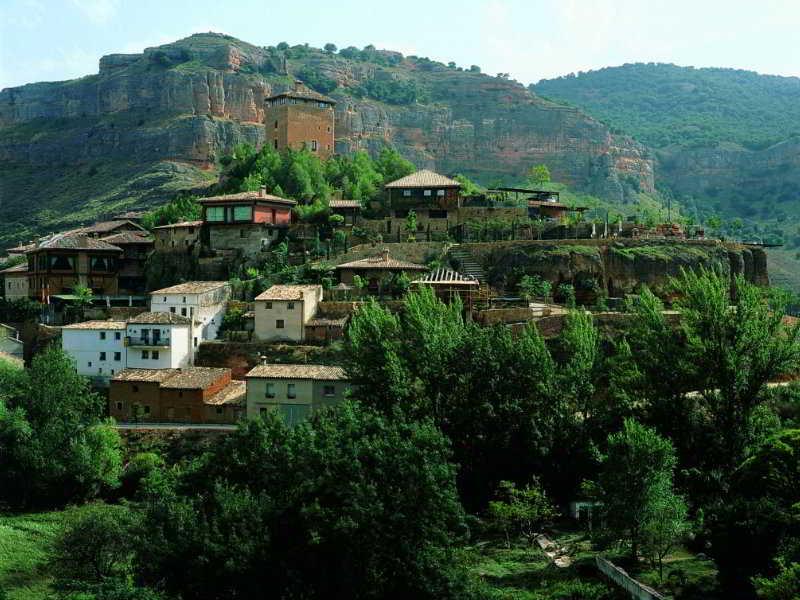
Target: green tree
635,481
665,525
83,300
784,586
468,187
330,48
348,504
411,225
524,511
538,175
533,286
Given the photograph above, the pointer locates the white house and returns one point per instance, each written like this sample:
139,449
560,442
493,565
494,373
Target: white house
98,347
204,302
282,311
159,340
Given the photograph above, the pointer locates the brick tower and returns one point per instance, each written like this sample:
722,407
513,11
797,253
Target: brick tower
300,118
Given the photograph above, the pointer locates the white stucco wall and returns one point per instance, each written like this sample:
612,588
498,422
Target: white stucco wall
85,346
174,353
206,309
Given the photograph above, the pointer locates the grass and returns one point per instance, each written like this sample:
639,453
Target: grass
24,546
686,577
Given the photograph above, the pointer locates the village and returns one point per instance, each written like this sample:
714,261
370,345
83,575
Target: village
141,346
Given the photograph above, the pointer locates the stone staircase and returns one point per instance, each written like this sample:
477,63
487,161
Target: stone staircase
468,264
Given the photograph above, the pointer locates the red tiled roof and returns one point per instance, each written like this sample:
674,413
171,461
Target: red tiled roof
257,196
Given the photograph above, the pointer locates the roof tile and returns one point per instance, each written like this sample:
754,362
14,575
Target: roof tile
315,372
423,178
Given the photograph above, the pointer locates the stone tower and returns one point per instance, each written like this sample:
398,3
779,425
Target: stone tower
300,118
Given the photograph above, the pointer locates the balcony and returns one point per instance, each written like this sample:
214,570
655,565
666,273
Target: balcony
147,342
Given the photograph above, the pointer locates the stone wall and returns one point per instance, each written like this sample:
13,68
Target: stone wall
635,589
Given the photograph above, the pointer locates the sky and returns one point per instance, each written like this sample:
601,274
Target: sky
51,40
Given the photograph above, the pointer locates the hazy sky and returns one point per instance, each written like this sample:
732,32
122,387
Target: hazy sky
48,40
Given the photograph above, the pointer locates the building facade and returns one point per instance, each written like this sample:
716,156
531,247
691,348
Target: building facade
247,223
377,272
15,282
300,118
294,391
181,237
434,198
282,311
97,347
203,302
159,340
136,247
195,395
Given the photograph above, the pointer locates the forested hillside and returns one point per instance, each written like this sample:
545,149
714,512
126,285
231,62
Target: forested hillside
664,104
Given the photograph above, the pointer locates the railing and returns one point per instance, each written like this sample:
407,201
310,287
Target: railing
147,341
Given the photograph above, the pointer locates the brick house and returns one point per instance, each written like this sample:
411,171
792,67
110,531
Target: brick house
247,222
294,391
193,395
300,118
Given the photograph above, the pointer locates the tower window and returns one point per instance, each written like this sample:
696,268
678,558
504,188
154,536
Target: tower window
275,144
313,145
276,124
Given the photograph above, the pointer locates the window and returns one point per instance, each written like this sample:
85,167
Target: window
100,371
267,305
172,309
90,363
101,263
313,145
290,306
242,213
183,311
440,193
215,214
329,130
117,335
165,298
102,356
329,390
219,410
145,354
195,342
276,124
117,356
146,409
407,193
275,144
270,391
290,390
155,354
119,405
262,411
426,193
184,299
102,335
279,324
135,388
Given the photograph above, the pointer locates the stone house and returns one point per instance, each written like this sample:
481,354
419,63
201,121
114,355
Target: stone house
204,302
136,247
181,237
15,282
283,311
349,210
247,223
294,391
300,118
193,395
378,271
434,198
159,340
97,347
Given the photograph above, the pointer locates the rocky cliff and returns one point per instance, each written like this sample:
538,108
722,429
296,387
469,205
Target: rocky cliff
150,124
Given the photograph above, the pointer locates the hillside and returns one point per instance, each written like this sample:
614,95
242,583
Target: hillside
726,142
150,124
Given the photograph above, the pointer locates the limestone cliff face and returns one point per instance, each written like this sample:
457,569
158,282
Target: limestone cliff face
193,100
615,267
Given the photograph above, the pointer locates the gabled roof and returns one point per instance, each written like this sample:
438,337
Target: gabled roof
159,318
233,393
108,226
382,262
144,375
288,292
423,179
128,237
249,196
195,378
16,269
301,92
344,204
75,242
446,276
97,325
190,287
314,372
179,225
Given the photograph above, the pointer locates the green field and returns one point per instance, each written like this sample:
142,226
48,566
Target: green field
24,547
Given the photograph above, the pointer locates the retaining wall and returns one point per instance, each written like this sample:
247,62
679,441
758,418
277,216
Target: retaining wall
635,589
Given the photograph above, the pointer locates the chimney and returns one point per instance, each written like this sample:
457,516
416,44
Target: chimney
385,254
298,85
263,359
262,191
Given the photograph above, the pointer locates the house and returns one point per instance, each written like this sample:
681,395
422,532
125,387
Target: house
159,340
248,222
300,118
349,210
547,206
193,395
434,198
60,264
282,311
178,237
294,391
97,347
324,329
378,272
204,302
136,247
447,284
15,282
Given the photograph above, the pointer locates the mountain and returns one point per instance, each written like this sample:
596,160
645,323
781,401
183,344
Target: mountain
150,124
724,141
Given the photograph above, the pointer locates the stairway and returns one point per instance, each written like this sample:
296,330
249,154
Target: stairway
467,262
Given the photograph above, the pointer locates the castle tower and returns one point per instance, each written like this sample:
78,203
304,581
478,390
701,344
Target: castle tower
300,118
